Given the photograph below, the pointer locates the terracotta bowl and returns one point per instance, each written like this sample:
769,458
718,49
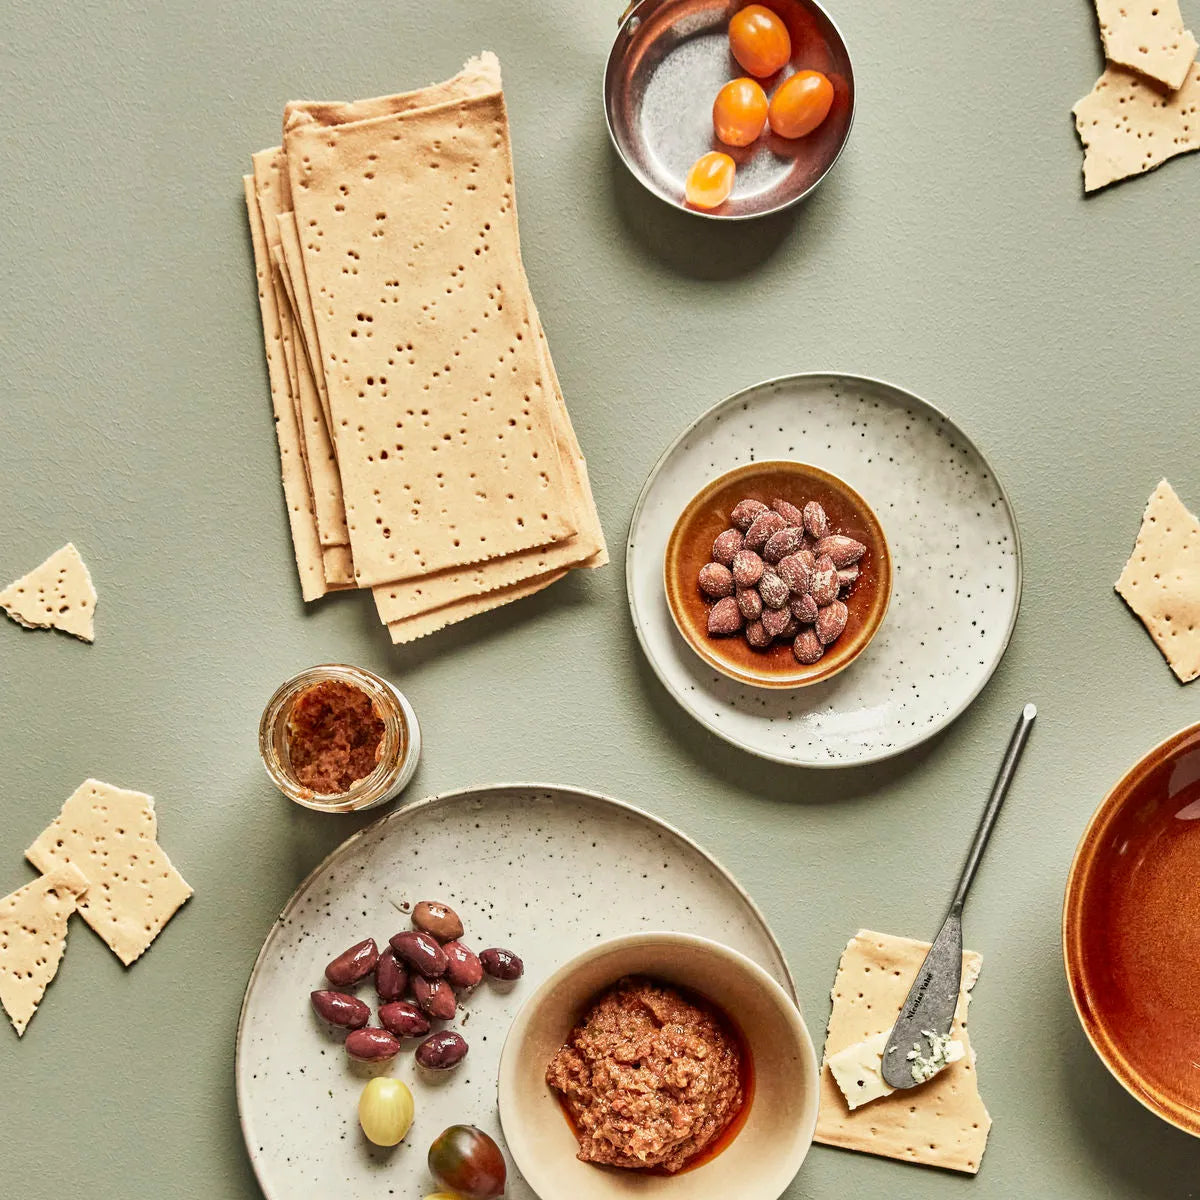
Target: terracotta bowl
1131,930
757,1163
690,547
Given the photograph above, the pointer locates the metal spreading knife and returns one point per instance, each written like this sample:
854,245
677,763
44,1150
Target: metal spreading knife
917,1045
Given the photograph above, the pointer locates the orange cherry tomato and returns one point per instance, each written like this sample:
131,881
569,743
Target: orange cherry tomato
800,104
710,181
740,112
759,40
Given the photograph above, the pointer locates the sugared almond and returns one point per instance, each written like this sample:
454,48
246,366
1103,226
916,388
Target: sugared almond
779,622
724,618
764,525
780,545
796,571
831,620
727,544
824,587
747,568
716,580
844,551
789,512
749,603
804,609
745,512
815,520
807,647
773,590
757,635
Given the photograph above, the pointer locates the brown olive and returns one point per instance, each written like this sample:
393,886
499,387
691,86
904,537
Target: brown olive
403,1019
435,997
337,1008
464,970
420,952
441,1051
353,965
439,919
391,979
502,964
372,1045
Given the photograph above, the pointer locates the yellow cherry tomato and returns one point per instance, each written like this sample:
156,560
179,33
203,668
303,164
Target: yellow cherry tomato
385,1111
710,180
759,40
740,112
800,104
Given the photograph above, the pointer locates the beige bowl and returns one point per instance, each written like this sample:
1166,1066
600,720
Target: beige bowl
758,1164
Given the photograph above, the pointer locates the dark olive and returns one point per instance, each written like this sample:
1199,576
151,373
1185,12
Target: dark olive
464,1160
441,1051
391,979
353,965
337,1008
403,1019
437,919
464,969
435,997
502,964
421,952
372,1045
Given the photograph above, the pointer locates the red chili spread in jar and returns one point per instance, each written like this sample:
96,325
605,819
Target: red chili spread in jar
334,737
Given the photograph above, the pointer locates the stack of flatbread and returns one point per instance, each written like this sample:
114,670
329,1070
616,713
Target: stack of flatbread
1145,108
426,449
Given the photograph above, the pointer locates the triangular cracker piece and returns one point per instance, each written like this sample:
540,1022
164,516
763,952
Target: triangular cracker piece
942,1123
33,937
57,595
1128,125
111,836
1161,580
1149,37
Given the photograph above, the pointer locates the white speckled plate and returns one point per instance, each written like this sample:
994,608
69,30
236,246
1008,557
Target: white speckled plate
546,871
954,543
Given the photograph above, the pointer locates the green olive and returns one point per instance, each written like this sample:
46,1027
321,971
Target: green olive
466,1161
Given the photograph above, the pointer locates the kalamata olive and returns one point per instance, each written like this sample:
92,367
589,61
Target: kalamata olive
464,970
353,964
372,1045
391,979
435,997
403,1019
420,952
337,1008
439,919
502,964
441,1051
465,1161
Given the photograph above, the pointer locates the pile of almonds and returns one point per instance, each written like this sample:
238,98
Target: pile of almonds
419,978
777,575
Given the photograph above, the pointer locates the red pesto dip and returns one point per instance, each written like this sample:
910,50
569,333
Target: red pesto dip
334,737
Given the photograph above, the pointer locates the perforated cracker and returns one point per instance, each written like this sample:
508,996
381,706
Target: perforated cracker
111,837
58,594
33,938
942,1123
1161,580
325,485
422,625
439,402
301,520
1128,125
1147,36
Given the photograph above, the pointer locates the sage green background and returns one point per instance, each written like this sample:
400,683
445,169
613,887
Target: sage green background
951,251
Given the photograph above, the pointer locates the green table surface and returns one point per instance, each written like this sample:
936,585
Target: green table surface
951,251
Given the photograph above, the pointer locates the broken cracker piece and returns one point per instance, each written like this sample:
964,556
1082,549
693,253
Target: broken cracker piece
33,939
941,1124
1147,36
1161,580
1128,125
111,836
57,595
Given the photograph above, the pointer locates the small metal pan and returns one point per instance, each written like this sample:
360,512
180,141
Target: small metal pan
670,59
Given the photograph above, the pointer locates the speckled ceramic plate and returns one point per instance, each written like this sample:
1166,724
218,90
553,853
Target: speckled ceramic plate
955,549
547,871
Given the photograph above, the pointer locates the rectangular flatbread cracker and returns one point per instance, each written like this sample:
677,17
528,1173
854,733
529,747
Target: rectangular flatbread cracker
1128,125
33,938
325,484
306,544
422,625
58,594
440,405
110,836
1161,580
1148,37
942,1123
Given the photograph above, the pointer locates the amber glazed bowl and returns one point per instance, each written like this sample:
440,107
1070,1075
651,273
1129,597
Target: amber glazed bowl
690,547
762,1150
1131,931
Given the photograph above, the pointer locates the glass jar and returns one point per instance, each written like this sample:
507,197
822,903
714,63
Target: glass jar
398,751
